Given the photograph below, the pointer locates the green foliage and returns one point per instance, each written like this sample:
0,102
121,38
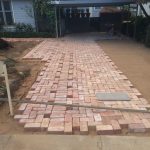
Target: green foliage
147,40
140,23
4,44
45,16
3,91
42,6
128,28
141,26
10,62
22,27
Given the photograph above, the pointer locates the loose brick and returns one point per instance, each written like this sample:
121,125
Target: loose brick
56,127
97,117
137,128
116,126
45,123
104,129
146,124
76,124
123,123
22,107
32,126
83,128
68,128
17,117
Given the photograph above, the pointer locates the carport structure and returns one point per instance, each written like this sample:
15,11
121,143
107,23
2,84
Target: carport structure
85,3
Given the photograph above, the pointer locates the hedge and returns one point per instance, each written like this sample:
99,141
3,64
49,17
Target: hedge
4,44
26,35
141,27
147,40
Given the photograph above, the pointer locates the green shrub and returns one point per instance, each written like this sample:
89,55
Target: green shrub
45,15
3,91
26,34
147,40
4,44
10,62
22,27
141,26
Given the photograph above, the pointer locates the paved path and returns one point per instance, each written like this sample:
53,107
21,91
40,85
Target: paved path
64,142
76,68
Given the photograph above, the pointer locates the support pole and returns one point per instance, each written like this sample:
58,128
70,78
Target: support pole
56,22
135,26
59,22
146,110
8,90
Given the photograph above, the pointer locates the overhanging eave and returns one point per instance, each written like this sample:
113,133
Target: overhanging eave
90,3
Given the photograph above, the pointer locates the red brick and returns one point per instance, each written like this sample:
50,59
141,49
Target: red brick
76,124
32,126
92,126
146,124
45,123
68,118
17,117
56,127
97,117
22,107
116,126
137,128
68,128
83,128
33,114
123,123
104,129
39,118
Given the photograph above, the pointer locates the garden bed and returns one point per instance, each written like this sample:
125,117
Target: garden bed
21,76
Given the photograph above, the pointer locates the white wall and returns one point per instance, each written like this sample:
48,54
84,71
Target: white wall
23,12
95,11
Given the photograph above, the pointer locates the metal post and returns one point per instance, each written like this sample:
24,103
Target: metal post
135,25
8,90
56,22
59,22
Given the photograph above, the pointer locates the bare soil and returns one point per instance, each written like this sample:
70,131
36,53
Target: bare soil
18,50
133,59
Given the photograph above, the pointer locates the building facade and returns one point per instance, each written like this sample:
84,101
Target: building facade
16,11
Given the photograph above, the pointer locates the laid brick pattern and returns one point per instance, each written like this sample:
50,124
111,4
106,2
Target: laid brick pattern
75,70
24,39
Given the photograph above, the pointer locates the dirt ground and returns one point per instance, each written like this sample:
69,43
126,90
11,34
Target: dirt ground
133,59
18,50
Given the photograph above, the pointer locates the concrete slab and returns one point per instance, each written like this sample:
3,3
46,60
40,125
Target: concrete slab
48,142
125,143
73,142
116,96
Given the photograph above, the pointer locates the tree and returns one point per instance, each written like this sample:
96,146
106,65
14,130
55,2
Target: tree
45,15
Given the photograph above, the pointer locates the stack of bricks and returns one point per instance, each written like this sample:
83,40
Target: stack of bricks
75,70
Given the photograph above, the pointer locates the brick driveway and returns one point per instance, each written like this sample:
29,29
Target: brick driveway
75,69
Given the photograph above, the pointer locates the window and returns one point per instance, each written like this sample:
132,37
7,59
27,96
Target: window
6,12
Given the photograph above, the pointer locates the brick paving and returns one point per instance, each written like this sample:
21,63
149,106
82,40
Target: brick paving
75,69
23,39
